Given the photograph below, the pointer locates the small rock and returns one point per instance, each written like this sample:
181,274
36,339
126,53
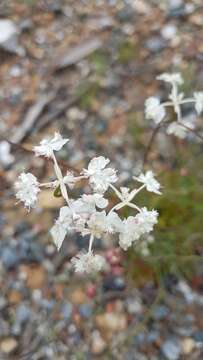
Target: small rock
8,345
4,328
187,345
23,314
112,321
14,296
98,344
155,44
66,310
126,14
2,302
112,283
169,31
30,252
9,37
139,339
153,336
134,306
35,276
175,4
85,310
9,258
160,312
171,349
91,291
198,336
78,296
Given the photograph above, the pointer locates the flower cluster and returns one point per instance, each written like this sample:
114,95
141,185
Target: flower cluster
90,215
156,110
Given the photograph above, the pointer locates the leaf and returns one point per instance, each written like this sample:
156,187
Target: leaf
57,192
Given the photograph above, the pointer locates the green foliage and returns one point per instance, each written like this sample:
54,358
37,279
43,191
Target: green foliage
99,60
126,51
179,232
87,92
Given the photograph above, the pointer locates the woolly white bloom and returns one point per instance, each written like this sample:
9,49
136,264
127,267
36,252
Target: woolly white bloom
86,205
146,220
85,214
69,179
61,226
97,224
27,188
175,78
154,110
95,200
178,130
99,177
198,96
149,181
88,262
129,232
47,146
114,223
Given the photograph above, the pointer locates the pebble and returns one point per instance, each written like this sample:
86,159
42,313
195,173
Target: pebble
23,314
9,37
187,344
168,32
9,257
66,310
198,336
8,345
160,312
111,321
3,302
171,349
111,283
85,310
78,296
155,44
98,344
134,306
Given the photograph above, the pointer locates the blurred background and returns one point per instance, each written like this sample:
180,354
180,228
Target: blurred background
85,68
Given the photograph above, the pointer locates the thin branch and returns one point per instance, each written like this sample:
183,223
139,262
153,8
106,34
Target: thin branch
151,141
192,130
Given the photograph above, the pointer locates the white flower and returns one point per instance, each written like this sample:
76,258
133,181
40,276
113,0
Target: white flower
174,79
97,224
69,179
149,181
129,232
198,96
61,226
86,205
27,188
88,262
114,223
146,220
178,130
99,177
47,146
154,110
95,200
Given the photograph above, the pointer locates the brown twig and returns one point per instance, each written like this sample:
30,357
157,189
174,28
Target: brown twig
149,146
192,130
